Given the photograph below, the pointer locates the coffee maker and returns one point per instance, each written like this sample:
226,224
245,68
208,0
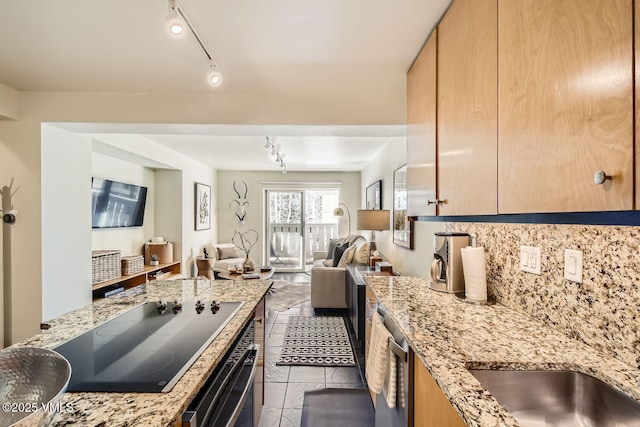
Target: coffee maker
446,267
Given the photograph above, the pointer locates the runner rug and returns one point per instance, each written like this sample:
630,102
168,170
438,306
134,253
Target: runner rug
316,341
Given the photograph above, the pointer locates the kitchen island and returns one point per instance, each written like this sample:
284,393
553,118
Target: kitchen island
449,337
157,409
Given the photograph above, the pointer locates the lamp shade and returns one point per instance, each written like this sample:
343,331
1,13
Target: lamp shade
377,219
338,212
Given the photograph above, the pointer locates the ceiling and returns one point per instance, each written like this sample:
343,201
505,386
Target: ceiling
288,48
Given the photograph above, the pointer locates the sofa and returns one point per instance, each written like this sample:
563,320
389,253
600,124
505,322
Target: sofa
329,282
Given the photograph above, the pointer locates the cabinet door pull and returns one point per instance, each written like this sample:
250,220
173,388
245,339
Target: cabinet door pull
600,177
436,202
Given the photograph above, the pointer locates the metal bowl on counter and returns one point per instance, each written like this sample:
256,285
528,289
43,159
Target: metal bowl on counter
32,383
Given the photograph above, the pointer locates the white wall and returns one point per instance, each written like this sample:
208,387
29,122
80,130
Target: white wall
255,218
168,212
416,262
66,204
127,240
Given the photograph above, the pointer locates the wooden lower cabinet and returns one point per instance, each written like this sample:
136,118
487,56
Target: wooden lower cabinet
431,408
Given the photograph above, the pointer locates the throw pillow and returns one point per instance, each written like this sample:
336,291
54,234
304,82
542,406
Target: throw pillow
226,253
337,253
347,256
332,245
361,255
327,262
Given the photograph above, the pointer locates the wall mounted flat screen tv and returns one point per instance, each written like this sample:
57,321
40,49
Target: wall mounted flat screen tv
116,204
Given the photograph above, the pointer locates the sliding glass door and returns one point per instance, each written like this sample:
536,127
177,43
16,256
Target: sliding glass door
285,225
299,222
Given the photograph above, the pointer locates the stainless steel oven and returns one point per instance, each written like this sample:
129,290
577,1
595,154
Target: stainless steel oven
227,398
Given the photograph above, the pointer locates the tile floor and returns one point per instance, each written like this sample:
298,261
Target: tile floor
285,385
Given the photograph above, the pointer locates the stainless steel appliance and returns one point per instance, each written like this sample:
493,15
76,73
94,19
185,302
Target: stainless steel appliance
227,398
146,349
399,415
446,267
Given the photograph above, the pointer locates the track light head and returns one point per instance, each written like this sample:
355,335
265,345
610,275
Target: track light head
176,26
214,77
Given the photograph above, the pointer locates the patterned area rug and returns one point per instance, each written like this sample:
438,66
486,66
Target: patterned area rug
316,341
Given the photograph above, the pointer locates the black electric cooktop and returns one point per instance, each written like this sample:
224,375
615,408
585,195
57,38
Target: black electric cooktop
146,349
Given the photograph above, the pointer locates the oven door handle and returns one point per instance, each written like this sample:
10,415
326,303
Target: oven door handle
233,374
247,386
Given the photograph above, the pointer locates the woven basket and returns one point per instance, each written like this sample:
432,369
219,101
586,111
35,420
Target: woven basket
132,264
105,265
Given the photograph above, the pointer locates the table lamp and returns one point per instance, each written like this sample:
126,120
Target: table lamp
372,220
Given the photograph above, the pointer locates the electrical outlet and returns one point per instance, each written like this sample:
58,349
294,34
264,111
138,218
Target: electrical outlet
573,265
530,259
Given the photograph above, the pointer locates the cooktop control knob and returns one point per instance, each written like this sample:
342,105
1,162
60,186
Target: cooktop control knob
161,306
177,307
199,306
215,306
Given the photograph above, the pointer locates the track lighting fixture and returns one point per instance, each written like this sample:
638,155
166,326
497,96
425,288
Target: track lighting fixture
176,26
270,145
214,77
178,20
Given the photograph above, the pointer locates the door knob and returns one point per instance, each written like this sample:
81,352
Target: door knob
600,177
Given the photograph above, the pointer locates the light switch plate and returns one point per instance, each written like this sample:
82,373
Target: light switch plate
530,259
573,265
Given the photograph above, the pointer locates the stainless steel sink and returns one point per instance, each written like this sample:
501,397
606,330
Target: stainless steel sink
559,398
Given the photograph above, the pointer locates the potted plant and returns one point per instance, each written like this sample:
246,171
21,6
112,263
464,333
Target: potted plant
154,260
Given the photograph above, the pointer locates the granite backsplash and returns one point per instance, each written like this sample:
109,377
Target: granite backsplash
603,311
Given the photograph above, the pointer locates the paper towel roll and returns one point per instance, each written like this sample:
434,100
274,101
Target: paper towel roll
475,273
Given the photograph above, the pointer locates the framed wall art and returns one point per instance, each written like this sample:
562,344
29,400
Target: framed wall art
402,227
203,206
374,195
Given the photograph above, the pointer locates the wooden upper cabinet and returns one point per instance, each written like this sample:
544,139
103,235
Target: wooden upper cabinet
421,131
637,82
467,108
565,105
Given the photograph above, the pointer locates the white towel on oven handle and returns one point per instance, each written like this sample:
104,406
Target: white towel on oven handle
389,390
377,367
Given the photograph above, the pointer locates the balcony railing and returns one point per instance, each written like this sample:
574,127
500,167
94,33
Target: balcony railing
286,243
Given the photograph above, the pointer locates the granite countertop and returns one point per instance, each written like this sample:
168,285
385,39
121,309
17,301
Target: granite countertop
450,336
158,409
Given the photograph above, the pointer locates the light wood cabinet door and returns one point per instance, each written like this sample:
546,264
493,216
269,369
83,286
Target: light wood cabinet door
636,37
565,105
421,131
467,109
431,408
